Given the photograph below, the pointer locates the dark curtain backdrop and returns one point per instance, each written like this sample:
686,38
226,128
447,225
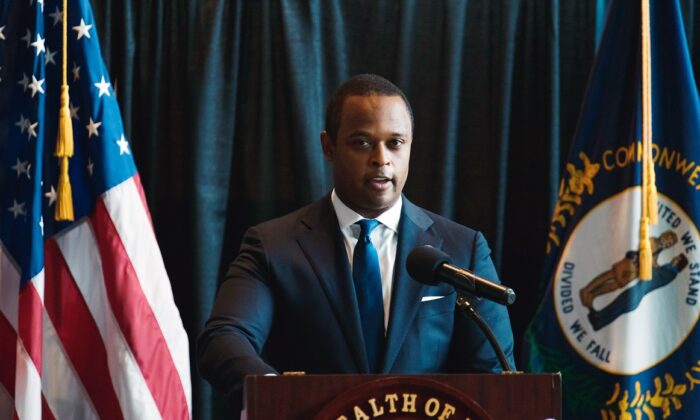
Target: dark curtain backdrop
223,102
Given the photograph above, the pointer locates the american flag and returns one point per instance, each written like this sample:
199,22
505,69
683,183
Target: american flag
88,324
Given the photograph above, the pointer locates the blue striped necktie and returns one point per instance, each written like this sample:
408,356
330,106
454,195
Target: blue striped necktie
368,287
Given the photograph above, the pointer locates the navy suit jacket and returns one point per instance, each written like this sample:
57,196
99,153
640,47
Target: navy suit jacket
288,304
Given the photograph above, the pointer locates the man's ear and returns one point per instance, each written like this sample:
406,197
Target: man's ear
328,146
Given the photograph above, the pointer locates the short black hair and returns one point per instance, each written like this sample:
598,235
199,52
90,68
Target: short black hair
360,85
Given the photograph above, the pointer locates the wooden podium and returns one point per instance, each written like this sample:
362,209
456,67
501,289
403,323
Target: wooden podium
469,396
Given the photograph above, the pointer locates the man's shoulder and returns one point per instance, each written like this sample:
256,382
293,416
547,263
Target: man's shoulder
440,223
462,243
308,214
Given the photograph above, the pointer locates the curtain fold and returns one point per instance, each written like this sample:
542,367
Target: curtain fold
223,102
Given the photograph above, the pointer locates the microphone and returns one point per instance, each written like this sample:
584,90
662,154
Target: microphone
431,266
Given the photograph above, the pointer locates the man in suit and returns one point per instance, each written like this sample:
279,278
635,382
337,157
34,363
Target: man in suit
325,288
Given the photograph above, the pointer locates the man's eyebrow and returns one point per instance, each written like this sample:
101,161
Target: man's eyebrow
360,133
368,134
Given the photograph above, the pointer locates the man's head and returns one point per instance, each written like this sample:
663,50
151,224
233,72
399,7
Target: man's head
668,239
680,261
368,135
360,85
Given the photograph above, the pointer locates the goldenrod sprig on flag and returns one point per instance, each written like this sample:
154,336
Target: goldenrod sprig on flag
64,140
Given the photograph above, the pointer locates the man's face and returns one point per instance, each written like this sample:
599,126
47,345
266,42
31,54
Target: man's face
668,239
371,152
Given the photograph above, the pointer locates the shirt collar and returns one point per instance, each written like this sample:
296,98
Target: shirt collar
348,217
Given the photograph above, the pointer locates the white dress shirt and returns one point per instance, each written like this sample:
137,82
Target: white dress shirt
385,238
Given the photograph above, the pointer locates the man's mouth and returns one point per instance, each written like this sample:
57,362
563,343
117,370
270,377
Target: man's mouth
379,183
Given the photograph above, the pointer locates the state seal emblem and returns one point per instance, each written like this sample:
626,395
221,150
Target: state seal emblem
614,320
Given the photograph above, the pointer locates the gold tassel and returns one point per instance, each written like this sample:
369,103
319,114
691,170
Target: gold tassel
64,140
644,250
64,201
653,195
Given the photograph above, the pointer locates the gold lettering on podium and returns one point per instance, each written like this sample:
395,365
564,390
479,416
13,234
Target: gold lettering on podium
409,403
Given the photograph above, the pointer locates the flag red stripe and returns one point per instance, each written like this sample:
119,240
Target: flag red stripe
46,413
31,322
136,319
78,332
8,350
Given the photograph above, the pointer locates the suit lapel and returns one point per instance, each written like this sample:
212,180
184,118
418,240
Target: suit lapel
407,293
320,240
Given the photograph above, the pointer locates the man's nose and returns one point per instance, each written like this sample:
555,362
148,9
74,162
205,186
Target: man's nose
380,157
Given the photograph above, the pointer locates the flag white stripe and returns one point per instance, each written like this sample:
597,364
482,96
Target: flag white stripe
62,389
9,306
82,257
27,386
130,218
9,288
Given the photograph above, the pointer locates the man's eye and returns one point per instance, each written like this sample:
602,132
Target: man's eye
361,143
395,143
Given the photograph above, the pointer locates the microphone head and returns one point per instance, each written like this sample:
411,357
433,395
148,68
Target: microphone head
423,261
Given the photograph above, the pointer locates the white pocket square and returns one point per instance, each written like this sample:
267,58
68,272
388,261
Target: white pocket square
429,298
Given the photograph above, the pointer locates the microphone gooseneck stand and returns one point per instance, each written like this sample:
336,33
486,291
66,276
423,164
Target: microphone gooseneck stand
469,312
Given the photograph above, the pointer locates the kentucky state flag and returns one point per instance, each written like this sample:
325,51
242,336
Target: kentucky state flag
627,348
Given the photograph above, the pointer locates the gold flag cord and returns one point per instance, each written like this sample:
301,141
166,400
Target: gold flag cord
649,193
64,141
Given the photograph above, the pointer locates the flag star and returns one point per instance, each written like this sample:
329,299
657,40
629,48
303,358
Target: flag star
49,57
2,30
17,208
41,2
31,128
24,82
103,87
35,86
90,166
57,16
39,44
22,167
41,225
27,38
51,195
82,29
92,128
76,71
23,123
74,111
123,146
